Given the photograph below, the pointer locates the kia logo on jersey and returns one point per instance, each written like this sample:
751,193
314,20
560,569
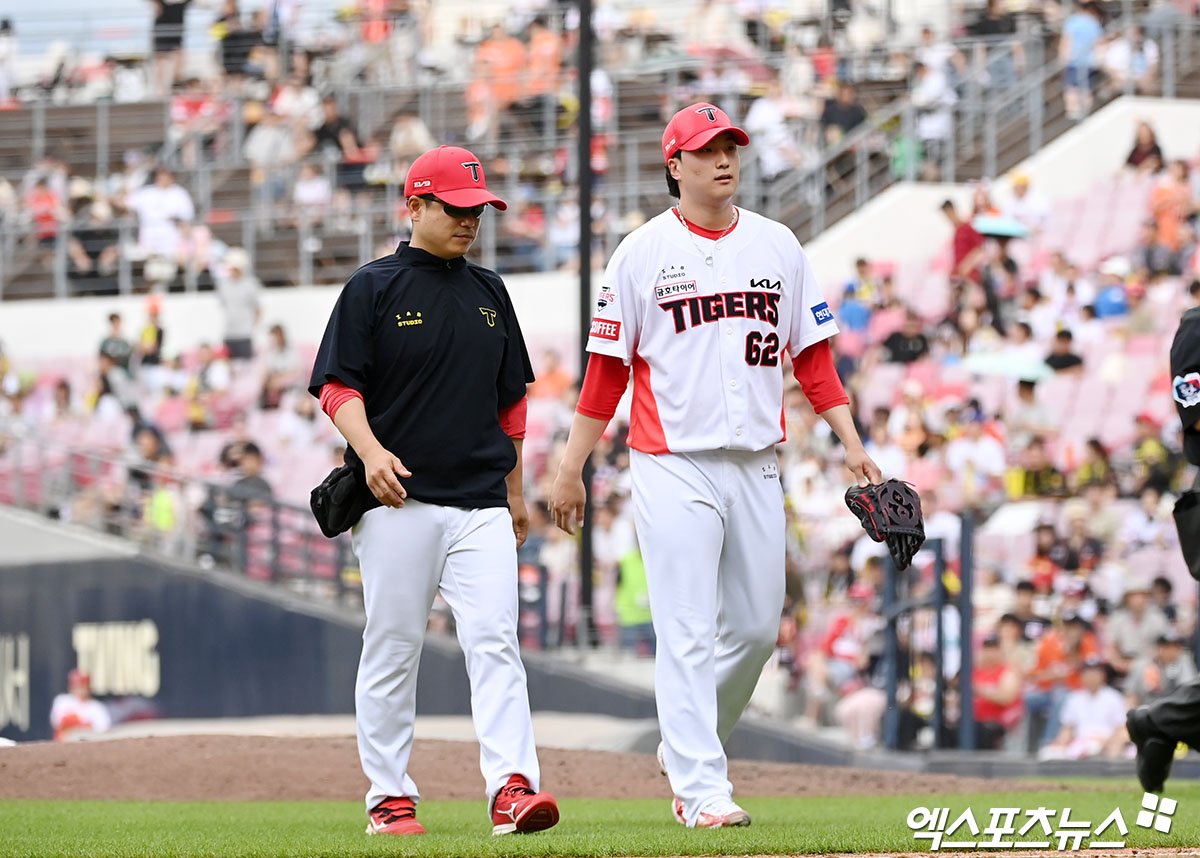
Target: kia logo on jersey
766,283
822,313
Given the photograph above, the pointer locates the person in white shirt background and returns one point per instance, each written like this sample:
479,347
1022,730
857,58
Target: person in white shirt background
1093,718
158,206
76,709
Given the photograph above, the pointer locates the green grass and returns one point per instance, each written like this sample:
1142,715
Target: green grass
120,829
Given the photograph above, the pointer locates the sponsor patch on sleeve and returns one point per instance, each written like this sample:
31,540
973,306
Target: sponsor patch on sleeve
605,329
1187,389
822,313
670,290
607,296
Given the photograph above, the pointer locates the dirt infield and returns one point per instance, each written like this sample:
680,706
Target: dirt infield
252,768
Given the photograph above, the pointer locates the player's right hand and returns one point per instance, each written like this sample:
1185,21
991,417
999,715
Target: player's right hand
382,469
568,498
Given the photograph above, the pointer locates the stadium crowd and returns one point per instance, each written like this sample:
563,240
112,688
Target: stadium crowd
262,96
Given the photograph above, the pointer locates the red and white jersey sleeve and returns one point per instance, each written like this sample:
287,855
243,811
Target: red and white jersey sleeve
704,338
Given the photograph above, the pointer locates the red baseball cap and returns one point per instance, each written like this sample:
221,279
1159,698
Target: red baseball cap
452,174
692,128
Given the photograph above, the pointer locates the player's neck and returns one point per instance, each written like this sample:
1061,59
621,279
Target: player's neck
442,253
715,216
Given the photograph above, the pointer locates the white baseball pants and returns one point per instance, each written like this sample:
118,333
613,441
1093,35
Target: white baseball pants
407,555
711,530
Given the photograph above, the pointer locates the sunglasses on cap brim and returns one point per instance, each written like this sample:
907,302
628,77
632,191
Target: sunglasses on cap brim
456,211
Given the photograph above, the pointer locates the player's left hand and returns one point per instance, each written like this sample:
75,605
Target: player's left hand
863,467
520,518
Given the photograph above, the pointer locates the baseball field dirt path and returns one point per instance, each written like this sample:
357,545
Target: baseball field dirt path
249,768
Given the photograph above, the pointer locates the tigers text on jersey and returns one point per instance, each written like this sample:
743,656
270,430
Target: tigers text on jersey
704,338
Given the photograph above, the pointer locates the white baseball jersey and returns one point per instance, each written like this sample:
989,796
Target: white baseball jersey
703,323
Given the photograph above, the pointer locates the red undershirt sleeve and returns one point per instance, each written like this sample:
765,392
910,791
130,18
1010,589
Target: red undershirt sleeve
815,371
513,418
604,384
334,395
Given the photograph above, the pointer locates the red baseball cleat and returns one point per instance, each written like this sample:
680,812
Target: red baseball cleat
518,809
394,816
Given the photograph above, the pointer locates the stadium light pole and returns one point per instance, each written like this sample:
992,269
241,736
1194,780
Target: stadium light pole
586,633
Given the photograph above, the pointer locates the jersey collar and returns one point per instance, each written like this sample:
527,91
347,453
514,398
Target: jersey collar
424,259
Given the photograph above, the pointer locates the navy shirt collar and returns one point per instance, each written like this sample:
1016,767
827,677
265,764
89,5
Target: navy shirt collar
424,259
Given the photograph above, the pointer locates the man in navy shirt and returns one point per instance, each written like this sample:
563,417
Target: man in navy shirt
423,370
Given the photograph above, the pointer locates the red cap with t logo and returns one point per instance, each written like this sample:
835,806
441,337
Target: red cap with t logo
453,175
692,128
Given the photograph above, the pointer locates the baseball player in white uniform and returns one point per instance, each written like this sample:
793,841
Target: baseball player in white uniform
701,302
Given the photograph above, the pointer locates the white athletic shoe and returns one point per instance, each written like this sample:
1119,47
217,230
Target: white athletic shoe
721,812
662,761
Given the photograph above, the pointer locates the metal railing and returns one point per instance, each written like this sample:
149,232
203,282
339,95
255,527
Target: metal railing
175,516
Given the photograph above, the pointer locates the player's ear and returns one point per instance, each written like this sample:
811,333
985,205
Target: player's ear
674,165
415,206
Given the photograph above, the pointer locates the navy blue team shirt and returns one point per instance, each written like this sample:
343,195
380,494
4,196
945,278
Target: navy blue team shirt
434,347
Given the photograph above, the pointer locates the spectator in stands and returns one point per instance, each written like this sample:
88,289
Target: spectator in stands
907,345
997,689
967,247
410,137
270,146
298,426
1132,61
251,485
1093,718
934,98
884,451
1034,623
298,104
94,247
336,138
150,452
1078,551
1082,32
149,347
500,64
774,143
8,59
1153,464
115,344
994,20
77,709
312,196
1170,205
237,43
206,387
159,208
114,394
1061,654
1146,156
1026,418
238,290
1025,206
853,313
842,114
1160,595
169,18
1134,627
282,369
1159,674
1061,358
976,460
1038,476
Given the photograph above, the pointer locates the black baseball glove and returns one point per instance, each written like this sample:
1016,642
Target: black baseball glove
890,512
